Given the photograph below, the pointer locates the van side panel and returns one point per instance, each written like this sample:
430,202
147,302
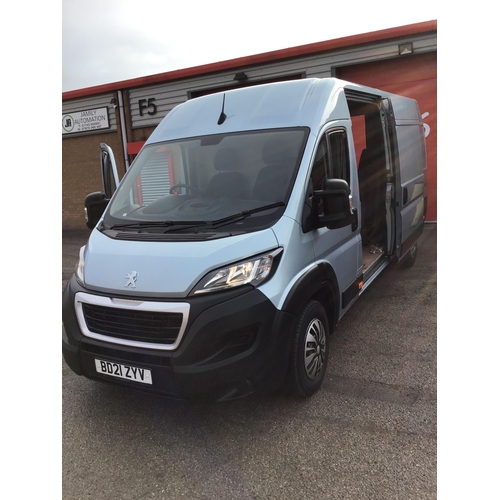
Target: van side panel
412,163
405,109
412,174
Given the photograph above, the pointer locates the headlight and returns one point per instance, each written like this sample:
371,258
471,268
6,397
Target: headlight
80,265
253,272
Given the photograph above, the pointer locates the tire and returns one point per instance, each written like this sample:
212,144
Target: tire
309,356
410,258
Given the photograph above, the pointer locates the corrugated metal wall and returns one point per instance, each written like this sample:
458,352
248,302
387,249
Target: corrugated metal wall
168,95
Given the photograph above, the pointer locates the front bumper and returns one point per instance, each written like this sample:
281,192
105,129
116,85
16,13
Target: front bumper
235,343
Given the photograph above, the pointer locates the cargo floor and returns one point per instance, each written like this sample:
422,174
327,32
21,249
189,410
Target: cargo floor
370,258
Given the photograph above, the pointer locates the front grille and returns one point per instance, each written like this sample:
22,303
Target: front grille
143,326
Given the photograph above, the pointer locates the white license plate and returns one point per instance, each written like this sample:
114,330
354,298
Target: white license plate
124,371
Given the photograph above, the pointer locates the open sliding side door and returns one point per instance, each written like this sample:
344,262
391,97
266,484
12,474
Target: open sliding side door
404,126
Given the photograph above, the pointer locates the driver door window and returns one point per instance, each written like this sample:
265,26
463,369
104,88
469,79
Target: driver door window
332,159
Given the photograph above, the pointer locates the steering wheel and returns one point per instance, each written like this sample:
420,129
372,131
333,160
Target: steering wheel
171,191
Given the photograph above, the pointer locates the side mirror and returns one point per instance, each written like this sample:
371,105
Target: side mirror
95,204
336,206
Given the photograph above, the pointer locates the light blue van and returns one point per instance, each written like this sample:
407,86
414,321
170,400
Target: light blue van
247,226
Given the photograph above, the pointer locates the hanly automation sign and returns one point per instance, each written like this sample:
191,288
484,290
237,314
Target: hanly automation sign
85,121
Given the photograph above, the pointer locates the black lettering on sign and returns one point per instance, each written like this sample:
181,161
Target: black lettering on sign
147,104
127,372
103,366
109,368
141,373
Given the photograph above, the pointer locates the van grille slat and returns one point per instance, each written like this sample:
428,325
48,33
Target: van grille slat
143,326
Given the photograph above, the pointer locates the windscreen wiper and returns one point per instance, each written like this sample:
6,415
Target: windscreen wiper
160,224
245,214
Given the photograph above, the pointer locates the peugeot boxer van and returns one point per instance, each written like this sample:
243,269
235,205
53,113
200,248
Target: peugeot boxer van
246,227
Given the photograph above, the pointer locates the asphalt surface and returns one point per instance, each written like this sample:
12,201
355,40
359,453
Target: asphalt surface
369,433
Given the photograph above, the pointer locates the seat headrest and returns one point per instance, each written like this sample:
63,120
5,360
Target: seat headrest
227,159
276,151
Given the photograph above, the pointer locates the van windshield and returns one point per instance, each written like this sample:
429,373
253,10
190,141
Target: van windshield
240,179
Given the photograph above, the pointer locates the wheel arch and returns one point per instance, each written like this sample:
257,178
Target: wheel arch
318,283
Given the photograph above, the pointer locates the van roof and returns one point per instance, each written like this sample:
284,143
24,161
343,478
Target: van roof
310,102
294,103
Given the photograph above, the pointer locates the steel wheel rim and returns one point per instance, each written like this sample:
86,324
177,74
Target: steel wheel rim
315,348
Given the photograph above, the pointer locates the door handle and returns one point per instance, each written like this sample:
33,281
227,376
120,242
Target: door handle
405,195
354,213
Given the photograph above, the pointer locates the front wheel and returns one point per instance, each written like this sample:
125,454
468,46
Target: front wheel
309,356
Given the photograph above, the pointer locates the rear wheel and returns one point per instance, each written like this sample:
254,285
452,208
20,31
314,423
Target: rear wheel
309,356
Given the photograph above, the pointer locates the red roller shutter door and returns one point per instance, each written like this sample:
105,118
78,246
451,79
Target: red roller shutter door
412,76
